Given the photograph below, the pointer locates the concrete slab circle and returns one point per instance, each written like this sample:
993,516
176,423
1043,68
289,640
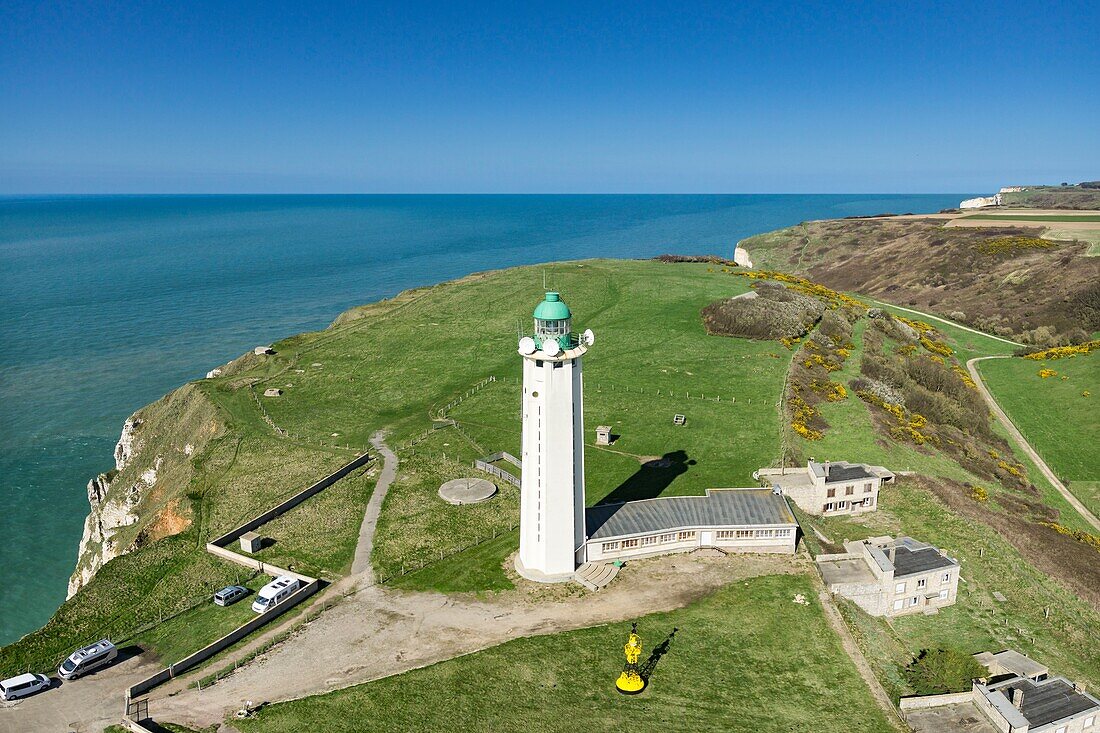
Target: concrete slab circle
467,491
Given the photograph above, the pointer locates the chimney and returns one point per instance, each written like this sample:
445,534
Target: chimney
1017,698
1079,687
890,553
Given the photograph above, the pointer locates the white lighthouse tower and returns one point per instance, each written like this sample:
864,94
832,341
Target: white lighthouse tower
551,526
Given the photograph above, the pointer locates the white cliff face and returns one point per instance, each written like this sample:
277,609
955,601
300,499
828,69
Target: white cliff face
741,257
981,201
125,448
108,515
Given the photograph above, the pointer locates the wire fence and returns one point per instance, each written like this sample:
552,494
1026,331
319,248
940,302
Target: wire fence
408,567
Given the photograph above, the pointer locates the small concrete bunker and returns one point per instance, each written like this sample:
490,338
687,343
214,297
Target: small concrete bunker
251,542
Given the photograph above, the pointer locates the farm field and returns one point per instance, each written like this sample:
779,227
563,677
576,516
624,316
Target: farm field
1034,217
1054,414
715,675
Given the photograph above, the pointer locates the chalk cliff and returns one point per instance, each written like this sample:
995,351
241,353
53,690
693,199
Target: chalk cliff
150,479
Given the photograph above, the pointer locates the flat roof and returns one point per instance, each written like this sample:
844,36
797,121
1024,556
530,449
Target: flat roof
1047,701
1013,661
911,561
845,571
719,508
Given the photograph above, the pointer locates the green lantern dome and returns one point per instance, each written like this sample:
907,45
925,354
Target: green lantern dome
552,308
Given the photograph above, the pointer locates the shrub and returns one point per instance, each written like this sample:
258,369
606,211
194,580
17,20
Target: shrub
776,313
939,671
1012,245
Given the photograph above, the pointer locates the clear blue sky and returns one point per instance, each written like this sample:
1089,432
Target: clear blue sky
514,96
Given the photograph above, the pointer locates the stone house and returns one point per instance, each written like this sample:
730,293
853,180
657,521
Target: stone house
892,577
830,488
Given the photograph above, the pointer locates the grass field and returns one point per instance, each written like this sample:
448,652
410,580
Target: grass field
716,675
1054,415
976,622
391,365
1035,217
175,639
318,537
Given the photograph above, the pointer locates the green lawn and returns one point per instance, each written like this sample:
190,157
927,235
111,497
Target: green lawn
1065,641
746,659
319,536
191,630
1054,415
1034,217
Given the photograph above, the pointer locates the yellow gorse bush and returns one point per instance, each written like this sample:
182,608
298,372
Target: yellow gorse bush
1061,352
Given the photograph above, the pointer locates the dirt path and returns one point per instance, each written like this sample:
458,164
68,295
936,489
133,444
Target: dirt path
380,632
972,367
361,564
832,615
949,323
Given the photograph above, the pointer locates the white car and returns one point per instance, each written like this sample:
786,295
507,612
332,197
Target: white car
88,658
23,685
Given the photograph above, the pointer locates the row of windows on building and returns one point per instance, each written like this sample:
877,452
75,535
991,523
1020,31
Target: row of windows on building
692,535
900,602
899,588
840,506
849,490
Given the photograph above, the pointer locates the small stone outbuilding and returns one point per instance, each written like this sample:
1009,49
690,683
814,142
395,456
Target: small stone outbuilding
251,542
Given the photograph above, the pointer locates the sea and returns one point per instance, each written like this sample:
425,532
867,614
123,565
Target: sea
109,302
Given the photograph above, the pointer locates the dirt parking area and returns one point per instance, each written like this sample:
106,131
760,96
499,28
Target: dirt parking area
380,632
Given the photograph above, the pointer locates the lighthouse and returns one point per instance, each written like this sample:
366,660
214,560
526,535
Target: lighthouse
551,527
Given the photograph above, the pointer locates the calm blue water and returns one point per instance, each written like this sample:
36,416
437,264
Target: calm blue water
106,303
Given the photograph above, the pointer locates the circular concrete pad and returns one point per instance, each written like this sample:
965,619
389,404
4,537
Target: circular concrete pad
467,491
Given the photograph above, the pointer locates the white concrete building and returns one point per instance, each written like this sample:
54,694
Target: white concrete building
830,488
888,577
731,520
1050,705
552,534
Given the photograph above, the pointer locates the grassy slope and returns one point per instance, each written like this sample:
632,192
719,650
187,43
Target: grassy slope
946,271
778,668
1054,197
1054,416
387,365
989,563
649,339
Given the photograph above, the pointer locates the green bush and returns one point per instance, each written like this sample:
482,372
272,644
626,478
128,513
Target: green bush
938,671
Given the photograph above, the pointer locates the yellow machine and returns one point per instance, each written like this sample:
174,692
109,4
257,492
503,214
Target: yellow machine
630,682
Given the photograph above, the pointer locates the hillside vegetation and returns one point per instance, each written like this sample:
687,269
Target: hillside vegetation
1003,280
1080,196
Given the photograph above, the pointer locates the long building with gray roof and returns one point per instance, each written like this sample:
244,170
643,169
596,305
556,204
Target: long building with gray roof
731,520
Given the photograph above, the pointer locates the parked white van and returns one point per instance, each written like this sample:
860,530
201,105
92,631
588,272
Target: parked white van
88,658
275,593
23,685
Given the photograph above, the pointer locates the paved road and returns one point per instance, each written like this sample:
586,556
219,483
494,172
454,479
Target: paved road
361,565
972,367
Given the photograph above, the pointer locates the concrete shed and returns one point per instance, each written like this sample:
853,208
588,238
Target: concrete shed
251,542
